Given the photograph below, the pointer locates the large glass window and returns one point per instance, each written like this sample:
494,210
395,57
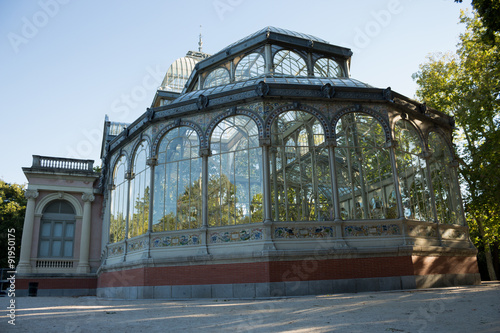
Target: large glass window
289,63
325,67
250,66
235,173
412,173
364,172
444,182
57,230
119,196
177,198
217,77
139,191
301,187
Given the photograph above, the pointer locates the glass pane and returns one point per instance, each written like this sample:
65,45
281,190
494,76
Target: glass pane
325,67
58,229
235,171
70,229
217,77
44,248
300,178
56,249
444,182
289,63
364,170
250,66
46,229
68,249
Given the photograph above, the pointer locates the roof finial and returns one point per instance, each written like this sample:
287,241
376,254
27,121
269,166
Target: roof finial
200,43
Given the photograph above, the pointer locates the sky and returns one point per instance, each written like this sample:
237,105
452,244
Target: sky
65,64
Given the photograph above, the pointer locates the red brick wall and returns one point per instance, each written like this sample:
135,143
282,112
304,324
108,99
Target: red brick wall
275,271
258,272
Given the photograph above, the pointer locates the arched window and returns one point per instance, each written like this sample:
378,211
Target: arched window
289,63
250,66
235,173
57,230
139,192
119,197
301,187
364,171
325,67
217,77
177,198
412,172
444,181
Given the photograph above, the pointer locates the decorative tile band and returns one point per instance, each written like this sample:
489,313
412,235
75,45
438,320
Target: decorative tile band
235,236
304,232
138,245
181,240
372,230
422,231
117,250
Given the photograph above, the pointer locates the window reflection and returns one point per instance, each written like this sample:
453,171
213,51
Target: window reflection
444,182
364,171
412,173
301,188
118,203
177,198
235,173
139,189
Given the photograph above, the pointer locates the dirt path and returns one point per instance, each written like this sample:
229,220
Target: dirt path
457,309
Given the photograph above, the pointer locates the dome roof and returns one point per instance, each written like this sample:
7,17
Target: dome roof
178,73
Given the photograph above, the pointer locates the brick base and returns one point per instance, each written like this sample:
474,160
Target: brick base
265,278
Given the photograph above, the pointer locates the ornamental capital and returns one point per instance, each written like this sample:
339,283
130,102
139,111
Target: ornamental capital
152,161
31,194
331,142
264,142
88,197
205,152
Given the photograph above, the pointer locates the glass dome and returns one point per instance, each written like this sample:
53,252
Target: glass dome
178,73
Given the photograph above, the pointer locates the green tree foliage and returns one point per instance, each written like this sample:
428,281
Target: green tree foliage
466,85
489,11
12,209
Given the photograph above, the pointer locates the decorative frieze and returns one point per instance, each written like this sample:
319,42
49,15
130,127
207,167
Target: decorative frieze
176,240
304,232
235,236
372,230
138,245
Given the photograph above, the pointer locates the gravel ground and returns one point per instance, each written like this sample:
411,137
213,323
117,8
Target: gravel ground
456,309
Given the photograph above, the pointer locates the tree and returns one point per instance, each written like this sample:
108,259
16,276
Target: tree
489,11
466,85
12,209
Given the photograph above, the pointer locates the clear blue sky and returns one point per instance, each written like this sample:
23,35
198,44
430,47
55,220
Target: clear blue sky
65,64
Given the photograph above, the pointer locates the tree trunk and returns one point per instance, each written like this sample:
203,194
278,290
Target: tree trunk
487,251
